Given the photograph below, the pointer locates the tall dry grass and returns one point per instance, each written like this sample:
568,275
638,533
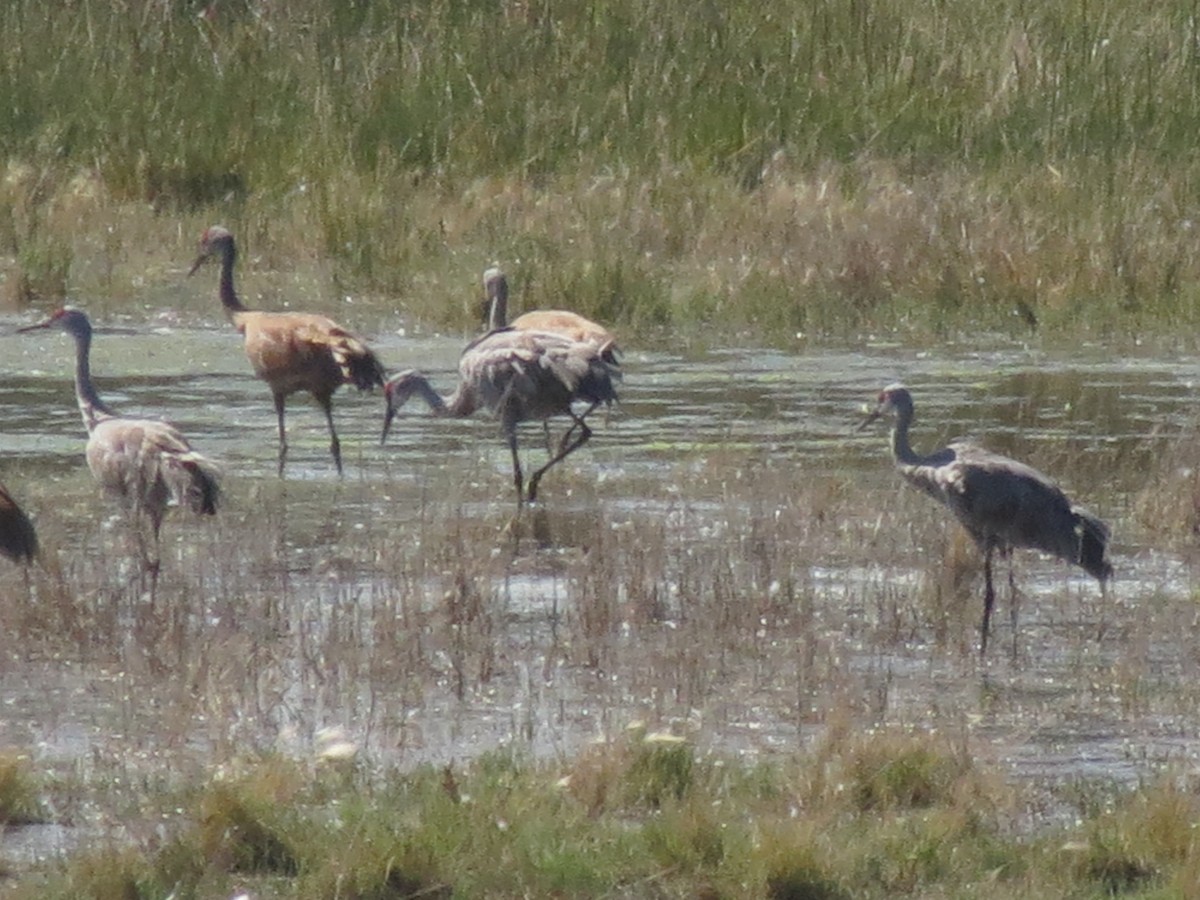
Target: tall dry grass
747,168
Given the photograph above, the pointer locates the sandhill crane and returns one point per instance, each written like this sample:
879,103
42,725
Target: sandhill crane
519,376
1003,504
556,321
292,351
18,540
146,463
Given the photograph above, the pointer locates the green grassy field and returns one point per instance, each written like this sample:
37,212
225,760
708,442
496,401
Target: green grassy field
755,169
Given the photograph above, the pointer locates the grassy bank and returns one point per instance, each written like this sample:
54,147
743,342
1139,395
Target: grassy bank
766,169
873,815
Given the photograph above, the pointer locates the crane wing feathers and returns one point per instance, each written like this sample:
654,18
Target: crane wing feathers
18,539
532,375
305,351
147,463
1005,503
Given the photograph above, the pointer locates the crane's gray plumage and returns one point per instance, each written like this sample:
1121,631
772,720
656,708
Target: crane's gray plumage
519,376
18,540
1002,503
147,464
556,321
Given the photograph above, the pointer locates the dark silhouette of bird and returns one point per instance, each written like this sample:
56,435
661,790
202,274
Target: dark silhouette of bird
292,351
18,540
556,321
146,463
1003,504
519,376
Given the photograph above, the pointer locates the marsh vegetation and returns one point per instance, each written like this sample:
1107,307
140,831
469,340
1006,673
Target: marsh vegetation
727,656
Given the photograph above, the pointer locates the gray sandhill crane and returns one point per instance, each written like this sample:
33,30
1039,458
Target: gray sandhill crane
292,351
18,540
519,376
146,463
1003,504
557,321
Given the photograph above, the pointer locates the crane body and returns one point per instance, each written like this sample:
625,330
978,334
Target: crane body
518,376
1002,503
292,351
18,539
145,463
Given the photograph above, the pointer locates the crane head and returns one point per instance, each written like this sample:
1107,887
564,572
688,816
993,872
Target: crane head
396,392
893,400
216,241
495,297
68,318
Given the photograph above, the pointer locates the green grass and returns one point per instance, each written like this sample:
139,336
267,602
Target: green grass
758,169
505,827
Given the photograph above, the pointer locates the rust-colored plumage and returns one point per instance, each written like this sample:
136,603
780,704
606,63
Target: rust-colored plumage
146,463
292,351
556,321
519,376
1003,504
18,540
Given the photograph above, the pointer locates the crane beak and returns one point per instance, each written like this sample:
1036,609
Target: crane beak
45,323
197,264
874,416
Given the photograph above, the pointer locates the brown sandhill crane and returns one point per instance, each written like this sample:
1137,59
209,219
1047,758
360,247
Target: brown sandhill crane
519,376
18,540
292,351
557,321
147,464
1003,504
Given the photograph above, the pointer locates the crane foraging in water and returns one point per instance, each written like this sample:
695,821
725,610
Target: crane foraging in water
292,351
519,376
18,540
1003,504
556,321
147,464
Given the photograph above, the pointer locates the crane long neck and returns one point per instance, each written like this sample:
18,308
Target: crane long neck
458,405
498,316
91,407
902,450
229,297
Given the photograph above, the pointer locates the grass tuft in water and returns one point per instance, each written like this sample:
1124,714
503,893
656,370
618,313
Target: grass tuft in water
247,823
20,801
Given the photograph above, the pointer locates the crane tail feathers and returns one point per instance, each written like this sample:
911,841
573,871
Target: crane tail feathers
1093,545
195,485
361,368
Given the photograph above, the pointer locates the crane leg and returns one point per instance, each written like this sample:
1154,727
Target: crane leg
563,453
283,448
518,476
335,446
570,431
989,600
1014,604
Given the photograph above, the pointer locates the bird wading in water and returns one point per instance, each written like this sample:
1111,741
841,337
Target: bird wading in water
1003,504
518,376
146,463
292,351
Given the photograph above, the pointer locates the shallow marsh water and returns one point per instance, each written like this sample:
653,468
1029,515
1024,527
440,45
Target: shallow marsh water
728,558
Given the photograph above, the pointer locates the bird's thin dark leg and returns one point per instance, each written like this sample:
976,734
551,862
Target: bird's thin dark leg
335,446
1014,603
283,448
584,434
518,476
566,438
989,600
